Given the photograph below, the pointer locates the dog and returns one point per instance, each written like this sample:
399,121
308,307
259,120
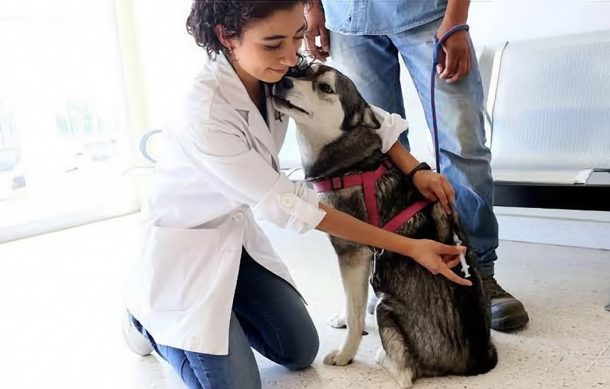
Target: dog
428,325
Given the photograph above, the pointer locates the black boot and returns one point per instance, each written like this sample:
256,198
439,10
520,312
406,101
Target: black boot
507,313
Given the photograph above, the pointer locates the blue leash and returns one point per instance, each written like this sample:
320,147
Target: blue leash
438,46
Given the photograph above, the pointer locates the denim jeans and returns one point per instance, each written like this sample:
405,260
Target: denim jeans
269,316
372,62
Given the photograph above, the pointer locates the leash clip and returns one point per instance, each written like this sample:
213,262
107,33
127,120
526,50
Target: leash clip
376,254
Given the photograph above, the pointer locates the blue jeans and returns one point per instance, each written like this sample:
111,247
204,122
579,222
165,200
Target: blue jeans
372,62
269,316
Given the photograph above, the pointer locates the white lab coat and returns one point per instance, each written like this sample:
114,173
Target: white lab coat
220,163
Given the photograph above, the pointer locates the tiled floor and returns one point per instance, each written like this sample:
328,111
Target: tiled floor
60,298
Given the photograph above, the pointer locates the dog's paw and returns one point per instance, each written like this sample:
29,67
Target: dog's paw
335,358
403,376
404,379
337,321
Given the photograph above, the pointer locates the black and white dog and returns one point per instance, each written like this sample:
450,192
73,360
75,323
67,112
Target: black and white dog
428,325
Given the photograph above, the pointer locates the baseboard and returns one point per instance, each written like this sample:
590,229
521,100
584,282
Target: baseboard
555,227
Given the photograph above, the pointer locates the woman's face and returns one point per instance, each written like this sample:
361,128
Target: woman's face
268,47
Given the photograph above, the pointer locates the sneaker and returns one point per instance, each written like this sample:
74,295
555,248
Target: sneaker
137,342
507,313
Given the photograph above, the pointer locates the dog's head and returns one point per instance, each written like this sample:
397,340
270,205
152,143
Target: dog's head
336,126
317,96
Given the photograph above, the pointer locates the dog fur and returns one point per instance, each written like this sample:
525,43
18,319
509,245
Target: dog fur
428,325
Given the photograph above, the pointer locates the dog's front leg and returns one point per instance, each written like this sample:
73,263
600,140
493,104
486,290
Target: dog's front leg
355,267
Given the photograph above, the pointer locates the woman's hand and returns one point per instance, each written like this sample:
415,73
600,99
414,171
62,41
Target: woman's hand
435,187
439,258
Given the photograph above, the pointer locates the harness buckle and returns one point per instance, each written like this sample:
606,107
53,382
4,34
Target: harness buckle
336,183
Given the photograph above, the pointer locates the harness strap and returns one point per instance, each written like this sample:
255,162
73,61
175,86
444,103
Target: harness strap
368,180
406,214
370,197
349,180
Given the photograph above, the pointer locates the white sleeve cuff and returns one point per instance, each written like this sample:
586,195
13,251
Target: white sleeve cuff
291,205
392,125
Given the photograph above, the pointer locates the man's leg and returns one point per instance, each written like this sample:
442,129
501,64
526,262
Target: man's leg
465,159
372,63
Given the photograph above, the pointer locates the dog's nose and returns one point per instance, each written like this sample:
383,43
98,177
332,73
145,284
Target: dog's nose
286,83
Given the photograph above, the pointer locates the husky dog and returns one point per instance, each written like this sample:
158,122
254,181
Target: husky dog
428,325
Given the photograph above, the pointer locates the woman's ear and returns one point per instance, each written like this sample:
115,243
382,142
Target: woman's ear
220,33
226,42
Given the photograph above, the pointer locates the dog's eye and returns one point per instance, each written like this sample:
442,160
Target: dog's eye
326,88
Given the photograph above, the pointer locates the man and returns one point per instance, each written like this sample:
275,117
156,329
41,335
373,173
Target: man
365,40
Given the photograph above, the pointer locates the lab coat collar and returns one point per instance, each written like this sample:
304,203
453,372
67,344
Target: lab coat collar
237,96
230,84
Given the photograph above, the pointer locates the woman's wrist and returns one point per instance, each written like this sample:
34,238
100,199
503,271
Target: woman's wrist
407,246
419,167
402,158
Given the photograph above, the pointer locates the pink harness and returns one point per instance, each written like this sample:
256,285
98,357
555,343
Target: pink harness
367,180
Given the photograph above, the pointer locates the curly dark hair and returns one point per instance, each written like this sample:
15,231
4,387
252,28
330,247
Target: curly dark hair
232,15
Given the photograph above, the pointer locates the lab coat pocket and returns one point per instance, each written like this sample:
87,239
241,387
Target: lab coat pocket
183,265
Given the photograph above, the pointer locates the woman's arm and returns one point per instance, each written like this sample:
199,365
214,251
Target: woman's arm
431,185
434,256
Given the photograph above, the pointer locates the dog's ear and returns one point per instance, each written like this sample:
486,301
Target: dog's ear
365,119
369,120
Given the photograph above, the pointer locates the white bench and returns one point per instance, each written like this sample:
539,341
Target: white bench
548,111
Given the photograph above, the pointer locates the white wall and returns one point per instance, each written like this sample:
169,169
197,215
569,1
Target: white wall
502,20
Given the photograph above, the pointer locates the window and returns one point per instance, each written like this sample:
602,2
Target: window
65,142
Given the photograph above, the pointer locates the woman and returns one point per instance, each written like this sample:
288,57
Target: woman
209,285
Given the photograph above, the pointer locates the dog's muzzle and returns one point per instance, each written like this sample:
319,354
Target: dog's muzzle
284,103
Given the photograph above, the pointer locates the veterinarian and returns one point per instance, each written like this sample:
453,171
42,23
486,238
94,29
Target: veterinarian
364,42
209,285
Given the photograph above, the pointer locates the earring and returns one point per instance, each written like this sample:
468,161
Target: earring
231,56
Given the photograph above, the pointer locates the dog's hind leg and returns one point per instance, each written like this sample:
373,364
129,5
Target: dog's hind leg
394,356
355,268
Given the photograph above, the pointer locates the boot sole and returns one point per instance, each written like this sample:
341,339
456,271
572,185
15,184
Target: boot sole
510,323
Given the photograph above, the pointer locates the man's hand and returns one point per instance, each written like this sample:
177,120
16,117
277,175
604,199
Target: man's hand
454,61
314,14
434,186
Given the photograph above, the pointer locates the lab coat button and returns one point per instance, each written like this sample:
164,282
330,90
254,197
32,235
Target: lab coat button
238,217
287,201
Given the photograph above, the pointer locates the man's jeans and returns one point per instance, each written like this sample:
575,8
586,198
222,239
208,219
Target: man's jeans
372,62
269,316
